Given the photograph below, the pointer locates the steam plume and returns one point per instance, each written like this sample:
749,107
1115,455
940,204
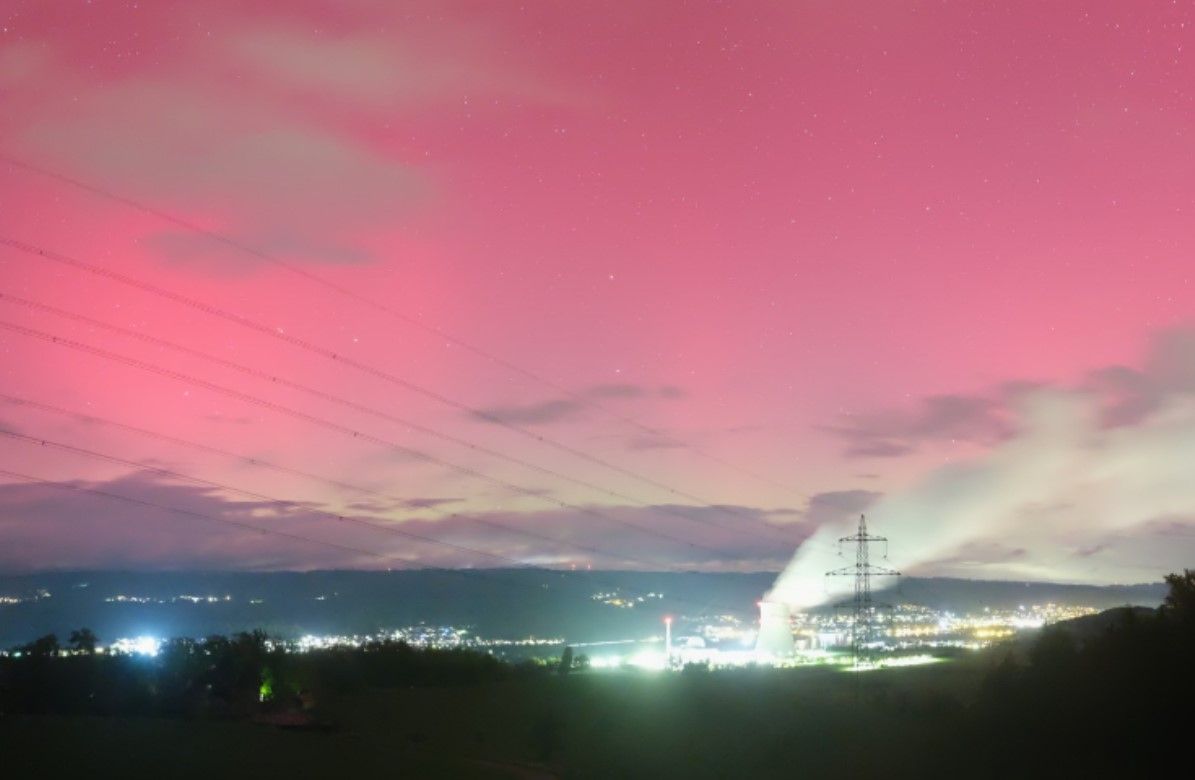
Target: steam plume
1096,485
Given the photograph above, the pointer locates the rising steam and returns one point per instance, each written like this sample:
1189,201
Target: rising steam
1087,489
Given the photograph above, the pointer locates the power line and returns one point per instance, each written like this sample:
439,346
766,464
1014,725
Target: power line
333,426
344,360
96,455
58,485
190,513
91,419
364,408
274,532
94,420
390,310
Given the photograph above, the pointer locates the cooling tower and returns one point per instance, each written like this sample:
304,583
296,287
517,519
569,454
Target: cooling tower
775,633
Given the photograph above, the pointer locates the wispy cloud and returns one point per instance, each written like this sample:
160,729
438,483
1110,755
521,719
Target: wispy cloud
895,432
574,407
49,527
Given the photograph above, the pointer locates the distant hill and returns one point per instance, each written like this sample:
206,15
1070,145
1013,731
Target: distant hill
969,595
508,603
496,603
1090,626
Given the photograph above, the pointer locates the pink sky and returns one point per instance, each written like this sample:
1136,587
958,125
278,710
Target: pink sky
831,246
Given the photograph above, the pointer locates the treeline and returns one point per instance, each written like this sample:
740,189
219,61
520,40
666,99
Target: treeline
221,676
1119,695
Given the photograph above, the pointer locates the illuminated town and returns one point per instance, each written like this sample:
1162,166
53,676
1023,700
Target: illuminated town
902,634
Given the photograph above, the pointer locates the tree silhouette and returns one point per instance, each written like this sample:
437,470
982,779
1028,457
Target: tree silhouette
1180,601
84,641
1101,696
42,647
566,660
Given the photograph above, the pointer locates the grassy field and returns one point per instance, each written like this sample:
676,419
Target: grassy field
747,723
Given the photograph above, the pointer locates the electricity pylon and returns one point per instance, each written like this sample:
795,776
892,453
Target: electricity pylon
863,607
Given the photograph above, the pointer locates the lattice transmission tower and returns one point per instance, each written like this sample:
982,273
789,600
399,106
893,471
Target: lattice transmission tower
863,606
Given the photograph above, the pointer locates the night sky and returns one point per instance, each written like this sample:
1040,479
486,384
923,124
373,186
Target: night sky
731,273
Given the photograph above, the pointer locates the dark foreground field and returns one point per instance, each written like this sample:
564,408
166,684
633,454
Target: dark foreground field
1103,696
750,723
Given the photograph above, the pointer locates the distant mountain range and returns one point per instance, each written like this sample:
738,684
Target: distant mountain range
497,603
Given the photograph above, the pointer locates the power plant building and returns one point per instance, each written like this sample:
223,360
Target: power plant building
775,631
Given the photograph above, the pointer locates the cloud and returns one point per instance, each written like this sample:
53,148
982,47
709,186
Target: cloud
256,128
867,447
368,70
838,506
646,441
257,174
1128,394
574,407
429,503
737,535
7,425
540,413
981,553
21,62
892,433
386,507
58,526
197,250
1065,497
616,391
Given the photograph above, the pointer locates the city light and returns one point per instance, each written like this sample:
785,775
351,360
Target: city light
649,660
138,645
904,635
897,661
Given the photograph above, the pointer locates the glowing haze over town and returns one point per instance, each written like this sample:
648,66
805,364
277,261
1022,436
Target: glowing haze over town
730,276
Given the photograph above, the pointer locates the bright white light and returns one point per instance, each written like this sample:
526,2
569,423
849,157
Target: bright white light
910,660
649,659
907,660
138,645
